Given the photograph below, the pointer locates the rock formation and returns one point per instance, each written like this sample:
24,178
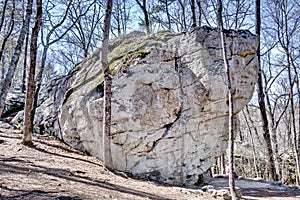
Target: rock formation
169,104
15,102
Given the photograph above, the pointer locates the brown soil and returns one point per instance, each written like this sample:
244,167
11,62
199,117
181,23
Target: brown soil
51,170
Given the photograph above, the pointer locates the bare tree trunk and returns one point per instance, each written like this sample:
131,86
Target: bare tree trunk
252,142
193,9
28,114
3,15
118,16
274,137
125,17
262,107
291,97
274,123
15,58
25,64
39,78
11,27
230,102
146,16
5,39
168,15
200,13
183,15
107,159
297,141
295,136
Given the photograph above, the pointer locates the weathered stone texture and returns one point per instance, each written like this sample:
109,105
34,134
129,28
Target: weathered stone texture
15,102
169,103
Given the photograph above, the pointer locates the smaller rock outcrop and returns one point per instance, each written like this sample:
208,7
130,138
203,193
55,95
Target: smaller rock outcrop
14,103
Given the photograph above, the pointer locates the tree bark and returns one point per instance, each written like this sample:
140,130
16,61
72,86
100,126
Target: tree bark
9,32
28,111
193,9
5,39
15,58
252,142
168,15
297,140
107,158
230,104
25,64
200,12
3,14
261,102
184,28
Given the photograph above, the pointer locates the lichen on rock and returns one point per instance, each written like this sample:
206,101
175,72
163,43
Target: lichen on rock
169,103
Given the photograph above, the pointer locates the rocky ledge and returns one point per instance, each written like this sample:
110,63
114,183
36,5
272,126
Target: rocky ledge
169,103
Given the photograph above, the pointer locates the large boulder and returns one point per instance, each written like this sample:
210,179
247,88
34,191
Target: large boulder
169,102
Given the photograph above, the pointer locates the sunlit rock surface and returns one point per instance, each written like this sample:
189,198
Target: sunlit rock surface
169,103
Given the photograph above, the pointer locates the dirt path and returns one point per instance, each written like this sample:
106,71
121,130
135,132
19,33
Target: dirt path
52,170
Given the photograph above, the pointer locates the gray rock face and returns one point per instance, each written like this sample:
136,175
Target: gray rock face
15,102
169,103
50,100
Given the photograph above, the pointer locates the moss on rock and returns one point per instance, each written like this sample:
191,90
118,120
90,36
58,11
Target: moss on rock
123,52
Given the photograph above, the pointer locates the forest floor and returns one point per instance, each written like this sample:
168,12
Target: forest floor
52,170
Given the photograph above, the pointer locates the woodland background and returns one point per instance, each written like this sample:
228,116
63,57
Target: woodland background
268,139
